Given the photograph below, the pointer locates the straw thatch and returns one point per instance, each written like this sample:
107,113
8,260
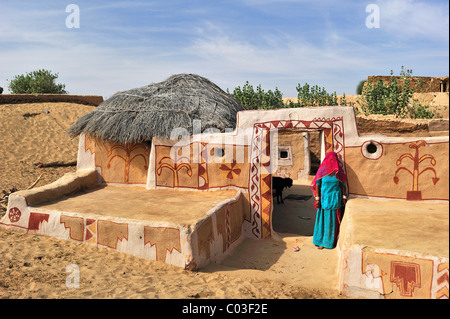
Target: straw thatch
139,114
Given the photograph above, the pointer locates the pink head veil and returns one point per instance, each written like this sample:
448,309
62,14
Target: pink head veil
329,164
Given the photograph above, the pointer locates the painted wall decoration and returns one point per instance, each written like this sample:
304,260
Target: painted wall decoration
91,231
229,173
128,237
440,281
203,180
174,167
14,214
260,171
75,225
415,169
36,219
229,223
396,276
207,173
406,276
165,239
221,231
412,170
205,237
175,170
109,233
124,164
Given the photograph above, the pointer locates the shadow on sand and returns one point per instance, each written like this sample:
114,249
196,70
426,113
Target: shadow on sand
294,217
291,220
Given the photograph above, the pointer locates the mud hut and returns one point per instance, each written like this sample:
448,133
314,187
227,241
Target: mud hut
120,130
137,115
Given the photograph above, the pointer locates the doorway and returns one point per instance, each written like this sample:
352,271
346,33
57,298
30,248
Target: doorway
296,216
315,151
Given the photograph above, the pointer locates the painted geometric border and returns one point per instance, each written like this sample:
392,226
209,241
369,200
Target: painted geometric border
260,178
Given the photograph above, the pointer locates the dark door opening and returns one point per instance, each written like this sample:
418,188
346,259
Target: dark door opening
296,216
314,151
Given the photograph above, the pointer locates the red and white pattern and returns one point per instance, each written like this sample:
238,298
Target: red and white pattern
259,144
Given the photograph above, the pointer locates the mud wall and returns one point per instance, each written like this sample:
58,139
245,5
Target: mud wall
422,84
42,98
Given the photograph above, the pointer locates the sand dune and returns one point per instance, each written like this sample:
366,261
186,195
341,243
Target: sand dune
33,133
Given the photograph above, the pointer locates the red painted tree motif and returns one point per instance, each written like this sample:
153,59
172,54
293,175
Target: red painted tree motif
175,168
415,194
127,159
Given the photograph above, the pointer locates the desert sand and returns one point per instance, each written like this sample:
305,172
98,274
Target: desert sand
35,266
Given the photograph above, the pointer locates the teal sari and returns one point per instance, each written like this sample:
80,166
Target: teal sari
326,228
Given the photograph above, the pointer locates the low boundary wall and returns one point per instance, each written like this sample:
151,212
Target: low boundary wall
94,100
189,246
392,249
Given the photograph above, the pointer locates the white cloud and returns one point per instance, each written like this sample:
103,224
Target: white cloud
410,18
289,57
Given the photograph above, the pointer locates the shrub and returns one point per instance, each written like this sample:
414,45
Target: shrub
1,90
419,111
314,96
392,98
258,99
36,82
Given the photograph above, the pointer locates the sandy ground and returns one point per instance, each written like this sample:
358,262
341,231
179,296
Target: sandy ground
35,266
30,135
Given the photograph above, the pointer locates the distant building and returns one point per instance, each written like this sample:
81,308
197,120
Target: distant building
422,84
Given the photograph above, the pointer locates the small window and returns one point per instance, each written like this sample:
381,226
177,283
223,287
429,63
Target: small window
284,154
372,148
217,151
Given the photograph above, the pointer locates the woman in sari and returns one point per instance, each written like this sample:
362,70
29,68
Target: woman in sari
328,187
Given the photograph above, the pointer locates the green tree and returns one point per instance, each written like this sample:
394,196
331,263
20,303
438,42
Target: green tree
393,97
314,96
36,82
259,99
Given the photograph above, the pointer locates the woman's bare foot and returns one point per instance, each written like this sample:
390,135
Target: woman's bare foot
320,247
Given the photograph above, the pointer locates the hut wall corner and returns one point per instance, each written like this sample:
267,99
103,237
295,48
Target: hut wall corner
115,163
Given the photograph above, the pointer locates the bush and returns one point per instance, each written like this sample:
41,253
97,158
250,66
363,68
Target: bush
259,99
314,96
307,96
419,111
36,82
392,98
1,90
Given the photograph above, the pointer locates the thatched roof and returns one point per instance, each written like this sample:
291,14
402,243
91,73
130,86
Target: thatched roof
139,114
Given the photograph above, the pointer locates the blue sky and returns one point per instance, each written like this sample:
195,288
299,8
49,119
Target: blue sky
125,44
